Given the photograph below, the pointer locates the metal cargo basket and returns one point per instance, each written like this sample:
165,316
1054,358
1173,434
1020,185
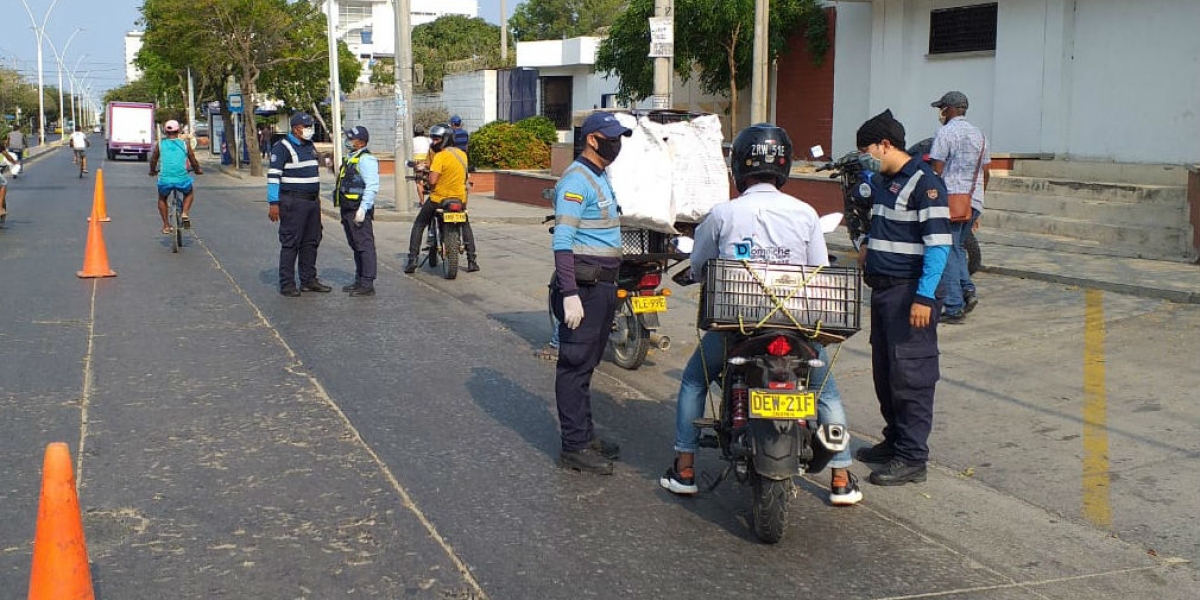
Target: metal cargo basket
824,302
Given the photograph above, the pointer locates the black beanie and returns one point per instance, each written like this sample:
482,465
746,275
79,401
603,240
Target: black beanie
882,126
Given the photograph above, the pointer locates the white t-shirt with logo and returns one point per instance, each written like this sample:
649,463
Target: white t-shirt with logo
79,140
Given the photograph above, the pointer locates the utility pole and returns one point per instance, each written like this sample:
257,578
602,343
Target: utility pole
191,120
503,34
759,76
662,48
403,90
335,83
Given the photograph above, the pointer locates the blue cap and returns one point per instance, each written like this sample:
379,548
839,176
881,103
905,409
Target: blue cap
358,132
606,124
303,119
456,120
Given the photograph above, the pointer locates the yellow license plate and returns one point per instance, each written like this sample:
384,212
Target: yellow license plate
766,404
648,304
454,217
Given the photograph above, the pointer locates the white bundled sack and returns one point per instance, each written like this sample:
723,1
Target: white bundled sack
700,178
639,176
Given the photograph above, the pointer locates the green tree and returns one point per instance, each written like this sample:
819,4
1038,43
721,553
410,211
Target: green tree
560,19
251,40
453,43
716,46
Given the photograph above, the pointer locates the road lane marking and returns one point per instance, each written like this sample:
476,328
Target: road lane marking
1096,479
1029,585
297,368
85,394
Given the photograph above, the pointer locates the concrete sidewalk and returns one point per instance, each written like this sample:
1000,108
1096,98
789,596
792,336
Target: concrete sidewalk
1166,280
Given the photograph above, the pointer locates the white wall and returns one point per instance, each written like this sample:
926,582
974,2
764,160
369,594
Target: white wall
471,96
1084,79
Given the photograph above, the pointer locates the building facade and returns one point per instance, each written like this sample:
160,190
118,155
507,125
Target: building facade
369,26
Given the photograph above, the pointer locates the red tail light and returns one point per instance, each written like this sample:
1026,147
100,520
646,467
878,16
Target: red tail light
779,347
650,281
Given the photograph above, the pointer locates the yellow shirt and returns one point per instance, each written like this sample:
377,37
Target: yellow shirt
451,165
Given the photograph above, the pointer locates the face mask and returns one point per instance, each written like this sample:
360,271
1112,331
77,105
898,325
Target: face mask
608,149
870,163
307,133
348,145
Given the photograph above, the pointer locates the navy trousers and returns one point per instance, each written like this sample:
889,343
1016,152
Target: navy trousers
299,236
361,239
905,368
579,351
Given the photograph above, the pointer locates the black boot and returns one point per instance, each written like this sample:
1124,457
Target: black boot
586,460
411,265
472,266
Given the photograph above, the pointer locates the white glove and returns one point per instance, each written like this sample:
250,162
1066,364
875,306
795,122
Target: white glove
572,311
360,216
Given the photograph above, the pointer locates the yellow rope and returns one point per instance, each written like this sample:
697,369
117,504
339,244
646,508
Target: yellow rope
780,305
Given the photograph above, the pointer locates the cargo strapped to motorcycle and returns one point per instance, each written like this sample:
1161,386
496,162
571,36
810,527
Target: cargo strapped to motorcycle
821,302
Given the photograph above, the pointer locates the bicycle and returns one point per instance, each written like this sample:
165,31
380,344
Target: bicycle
175,218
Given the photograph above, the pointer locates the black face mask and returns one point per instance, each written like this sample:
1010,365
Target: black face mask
608,149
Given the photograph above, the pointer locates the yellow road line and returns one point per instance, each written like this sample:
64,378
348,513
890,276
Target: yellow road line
1096,506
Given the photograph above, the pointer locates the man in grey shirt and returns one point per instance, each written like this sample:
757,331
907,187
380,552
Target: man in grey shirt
16,145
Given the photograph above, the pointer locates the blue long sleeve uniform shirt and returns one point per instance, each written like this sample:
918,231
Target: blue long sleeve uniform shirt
587,223
368,167
910,228
294,168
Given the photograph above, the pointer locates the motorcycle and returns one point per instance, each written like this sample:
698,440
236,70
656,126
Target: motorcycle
766,426
646,257
858,186
444,245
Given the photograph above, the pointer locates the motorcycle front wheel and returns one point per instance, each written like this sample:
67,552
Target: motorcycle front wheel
769,513
974,257
629,340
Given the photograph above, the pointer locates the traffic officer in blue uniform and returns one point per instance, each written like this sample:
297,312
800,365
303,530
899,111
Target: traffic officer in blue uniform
587,256
355,191
905,254
293,185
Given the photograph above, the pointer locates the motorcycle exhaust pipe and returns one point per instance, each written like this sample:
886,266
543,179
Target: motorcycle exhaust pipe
661,342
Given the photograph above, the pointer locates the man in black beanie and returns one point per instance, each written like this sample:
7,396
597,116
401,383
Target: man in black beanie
903,259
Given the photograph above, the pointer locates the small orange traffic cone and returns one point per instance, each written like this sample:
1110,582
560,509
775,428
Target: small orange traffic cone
99,207
95,256
60,560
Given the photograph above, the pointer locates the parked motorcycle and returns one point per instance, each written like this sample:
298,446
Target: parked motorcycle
444,245
858,188
776,317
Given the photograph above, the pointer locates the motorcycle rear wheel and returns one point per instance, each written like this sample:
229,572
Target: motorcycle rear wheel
629,340
451,242
769,513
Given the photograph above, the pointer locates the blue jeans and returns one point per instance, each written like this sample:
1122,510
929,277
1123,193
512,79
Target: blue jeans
956,279
693,388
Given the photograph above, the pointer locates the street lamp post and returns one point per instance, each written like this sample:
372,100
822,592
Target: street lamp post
71,74
41,32
59,58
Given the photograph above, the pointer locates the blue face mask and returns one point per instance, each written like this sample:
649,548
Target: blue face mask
870,163
348,145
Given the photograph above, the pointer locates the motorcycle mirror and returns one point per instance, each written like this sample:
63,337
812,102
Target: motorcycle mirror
817,152
410,163
683,244
830,222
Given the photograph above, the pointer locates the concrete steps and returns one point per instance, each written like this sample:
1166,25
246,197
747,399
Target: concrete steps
1047,205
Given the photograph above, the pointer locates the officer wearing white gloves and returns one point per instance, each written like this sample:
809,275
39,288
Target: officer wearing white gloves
355,191
587,257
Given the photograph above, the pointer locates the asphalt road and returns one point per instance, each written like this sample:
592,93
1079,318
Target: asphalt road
236,443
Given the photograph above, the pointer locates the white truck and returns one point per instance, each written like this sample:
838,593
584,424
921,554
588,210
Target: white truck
130,129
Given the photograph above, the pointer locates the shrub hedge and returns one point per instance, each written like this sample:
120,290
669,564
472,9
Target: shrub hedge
502,145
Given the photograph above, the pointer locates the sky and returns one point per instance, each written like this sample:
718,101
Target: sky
101,44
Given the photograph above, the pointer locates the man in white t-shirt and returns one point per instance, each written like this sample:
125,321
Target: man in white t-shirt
80,143
420,144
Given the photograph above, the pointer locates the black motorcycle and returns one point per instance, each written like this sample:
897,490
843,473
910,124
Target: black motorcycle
775,318
858,189
444,246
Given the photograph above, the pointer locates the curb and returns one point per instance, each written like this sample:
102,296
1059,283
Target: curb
1141,291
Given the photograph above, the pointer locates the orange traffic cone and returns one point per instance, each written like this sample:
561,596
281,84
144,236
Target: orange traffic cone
95,256
60,560
99,207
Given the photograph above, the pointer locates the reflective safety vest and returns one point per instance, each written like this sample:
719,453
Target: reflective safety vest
350,185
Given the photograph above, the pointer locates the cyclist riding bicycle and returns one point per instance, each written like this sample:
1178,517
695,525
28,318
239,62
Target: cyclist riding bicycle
80,143
175,154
